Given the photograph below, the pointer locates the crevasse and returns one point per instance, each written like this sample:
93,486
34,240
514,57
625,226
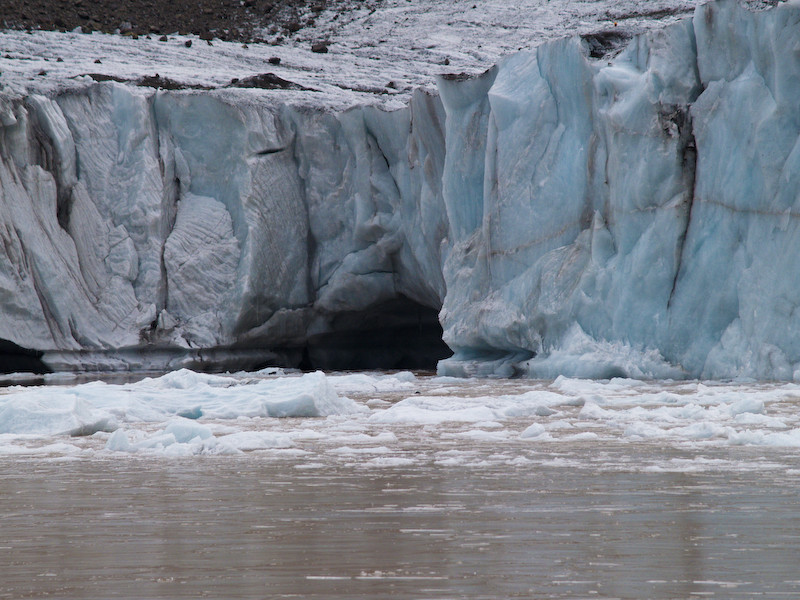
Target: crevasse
628,211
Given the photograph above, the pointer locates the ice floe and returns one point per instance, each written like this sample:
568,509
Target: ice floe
396,420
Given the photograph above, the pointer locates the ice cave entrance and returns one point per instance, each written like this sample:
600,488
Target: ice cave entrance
16,359
398,334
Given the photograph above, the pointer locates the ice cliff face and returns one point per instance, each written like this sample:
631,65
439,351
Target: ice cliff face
183,222
596,207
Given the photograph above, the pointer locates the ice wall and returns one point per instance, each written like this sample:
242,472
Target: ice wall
184,222
596,207
639,211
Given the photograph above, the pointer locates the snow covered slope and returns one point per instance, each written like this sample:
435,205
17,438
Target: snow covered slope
611,204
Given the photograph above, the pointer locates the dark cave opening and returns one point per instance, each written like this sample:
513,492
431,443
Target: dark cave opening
398,334
16,359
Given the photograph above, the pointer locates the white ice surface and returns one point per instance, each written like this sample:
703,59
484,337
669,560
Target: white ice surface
422,421
405,42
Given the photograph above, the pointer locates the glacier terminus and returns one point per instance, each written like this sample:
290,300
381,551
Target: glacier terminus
602,205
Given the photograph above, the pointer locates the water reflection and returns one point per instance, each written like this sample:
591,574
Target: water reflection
248,528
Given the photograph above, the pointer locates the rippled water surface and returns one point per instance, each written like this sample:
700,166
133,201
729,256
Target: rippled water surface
464,490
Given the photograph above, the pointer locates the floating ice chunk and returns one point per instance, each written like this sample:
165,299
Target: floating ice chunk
591,410
405,376
585,436
185,430
184,379
762,420
747,405
389,461
58,449
118,442
761,438
214,396
369,450
177,399
699,431
373,383
644,431
418,410
536,430
479,435
256,440
378,403
51,412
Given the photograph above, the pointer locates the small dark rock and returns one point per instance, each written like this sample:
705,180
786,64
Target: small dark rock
163,38
456,76
274,60
59,59
188,43
104,77
446,61
165,83
42,72
320,47
97,61
268,81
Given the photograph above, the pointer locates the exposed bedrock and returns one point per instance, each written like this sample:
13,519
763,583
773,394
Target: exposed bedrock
594,207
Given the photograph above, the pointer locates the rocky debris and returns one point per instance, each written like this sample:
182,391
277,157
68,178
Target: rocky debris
229,20
609,42
165,83
154,81
268,81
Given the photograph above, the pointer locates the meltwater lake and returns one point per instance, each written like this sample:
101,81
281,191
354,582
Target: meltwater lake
398,485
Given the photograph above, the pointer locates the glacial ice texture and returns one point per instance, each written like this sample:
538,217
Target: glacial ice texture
594,207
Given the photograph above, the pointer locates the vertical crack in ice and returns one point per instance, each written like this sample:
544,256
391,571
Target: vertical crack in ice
170,186
688,150
310,241
50,319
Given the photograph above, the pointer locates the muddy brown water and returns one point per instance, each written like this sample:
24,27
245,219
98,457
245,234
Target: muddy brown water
244,527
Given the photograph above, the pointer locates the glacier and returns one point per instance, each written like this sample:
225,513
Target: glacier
605,205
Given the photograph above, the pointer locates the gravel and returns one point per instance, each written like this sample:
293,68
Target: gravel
228,20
